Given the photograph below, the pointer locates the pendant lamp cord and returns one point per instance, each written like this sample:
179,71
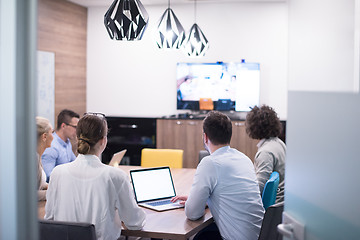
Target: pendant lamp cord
195,10
168,3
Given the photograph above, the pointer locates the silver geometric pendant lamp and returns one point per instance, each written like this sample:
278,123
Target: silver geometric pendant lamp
126,20
171,33
196,44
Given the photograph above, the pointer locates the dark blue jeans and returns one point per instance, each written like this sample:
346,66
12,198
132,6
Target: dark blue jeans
211,232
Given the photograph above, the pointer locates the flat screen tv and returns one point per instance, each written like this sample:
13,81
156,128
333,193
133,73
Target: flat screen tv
231,86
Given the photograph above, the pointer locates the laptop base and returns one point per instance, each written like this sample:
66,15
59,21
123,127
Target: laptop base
161,208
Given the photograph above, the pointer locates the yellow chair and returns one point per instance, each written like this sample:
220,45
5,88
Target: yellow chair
162,157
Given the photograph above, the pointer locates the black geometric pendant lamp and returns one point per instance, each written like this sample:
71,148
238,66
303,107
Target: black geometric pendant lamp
171,34
126,20
196,44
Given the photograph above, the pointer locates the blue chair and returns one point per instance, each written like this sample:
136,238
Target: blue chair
270,190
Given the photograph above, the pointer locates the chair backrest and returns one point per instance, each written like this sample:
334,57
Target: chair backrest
58,230
270,190
272,218
162,157
202,154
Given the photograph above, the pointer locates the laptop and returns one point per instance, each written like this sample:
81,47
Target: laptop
154,188
116,159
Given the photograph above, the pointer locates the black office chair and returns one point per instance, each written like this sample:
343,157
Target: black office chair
272,218
58,230
202,154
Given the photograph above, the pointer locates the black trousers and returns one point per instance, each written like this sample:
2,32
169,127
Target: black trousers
211,232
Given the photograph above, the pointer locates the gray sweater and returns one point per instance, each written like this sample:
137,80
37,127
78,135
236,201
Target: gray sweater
270,157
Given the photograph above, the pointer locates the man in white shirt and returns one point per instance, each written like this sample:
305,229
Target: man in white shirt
226,182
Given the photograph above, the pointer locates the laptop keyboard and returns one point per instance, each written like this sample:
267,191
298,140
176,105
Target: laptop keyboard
159,203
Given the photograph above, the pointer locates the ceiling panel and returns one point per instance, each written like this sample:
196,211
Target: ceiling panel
93,3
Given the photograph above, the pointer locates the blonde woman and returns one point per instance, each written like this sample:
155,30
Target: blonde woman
44,139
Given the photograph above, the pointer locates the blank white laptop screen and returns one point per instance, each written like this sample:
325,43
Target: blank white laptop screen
152,184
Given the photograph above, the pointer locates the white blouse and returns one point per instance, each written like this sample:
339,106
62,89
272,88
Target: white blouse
43,183
87,190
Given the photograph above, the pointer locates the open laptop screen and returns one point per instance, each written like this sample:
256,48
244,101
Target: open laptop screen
152,184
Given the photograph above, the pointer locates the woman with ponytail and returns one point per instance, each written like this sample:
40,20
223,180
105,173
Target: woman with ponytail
86,190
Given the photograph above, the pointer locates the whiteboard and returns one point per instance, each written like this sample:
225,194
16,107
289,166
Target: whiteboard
46,85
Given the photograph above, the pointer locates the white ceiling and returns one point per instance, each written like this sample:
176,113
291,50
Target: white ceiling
93,3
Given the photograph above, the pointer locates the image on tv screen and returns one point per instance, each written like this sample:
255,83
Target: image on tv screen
235,83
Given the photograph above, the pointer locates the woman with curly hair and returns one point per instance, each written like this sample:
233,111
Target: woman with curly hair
263,124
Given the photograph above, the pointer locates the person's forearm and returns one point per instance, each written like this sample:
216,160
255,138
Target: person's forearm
194,212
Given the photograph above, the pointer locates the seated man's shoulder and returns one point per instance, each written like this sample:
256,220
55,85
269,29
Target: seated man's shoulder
208,164
206,161
50,152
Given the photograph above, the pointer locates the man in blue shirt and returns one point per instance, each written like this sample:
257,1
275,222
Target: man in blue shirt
60,151
226,182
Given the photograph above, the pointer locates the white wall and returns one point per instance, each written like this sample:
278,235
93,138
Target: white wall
321,39
138,79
